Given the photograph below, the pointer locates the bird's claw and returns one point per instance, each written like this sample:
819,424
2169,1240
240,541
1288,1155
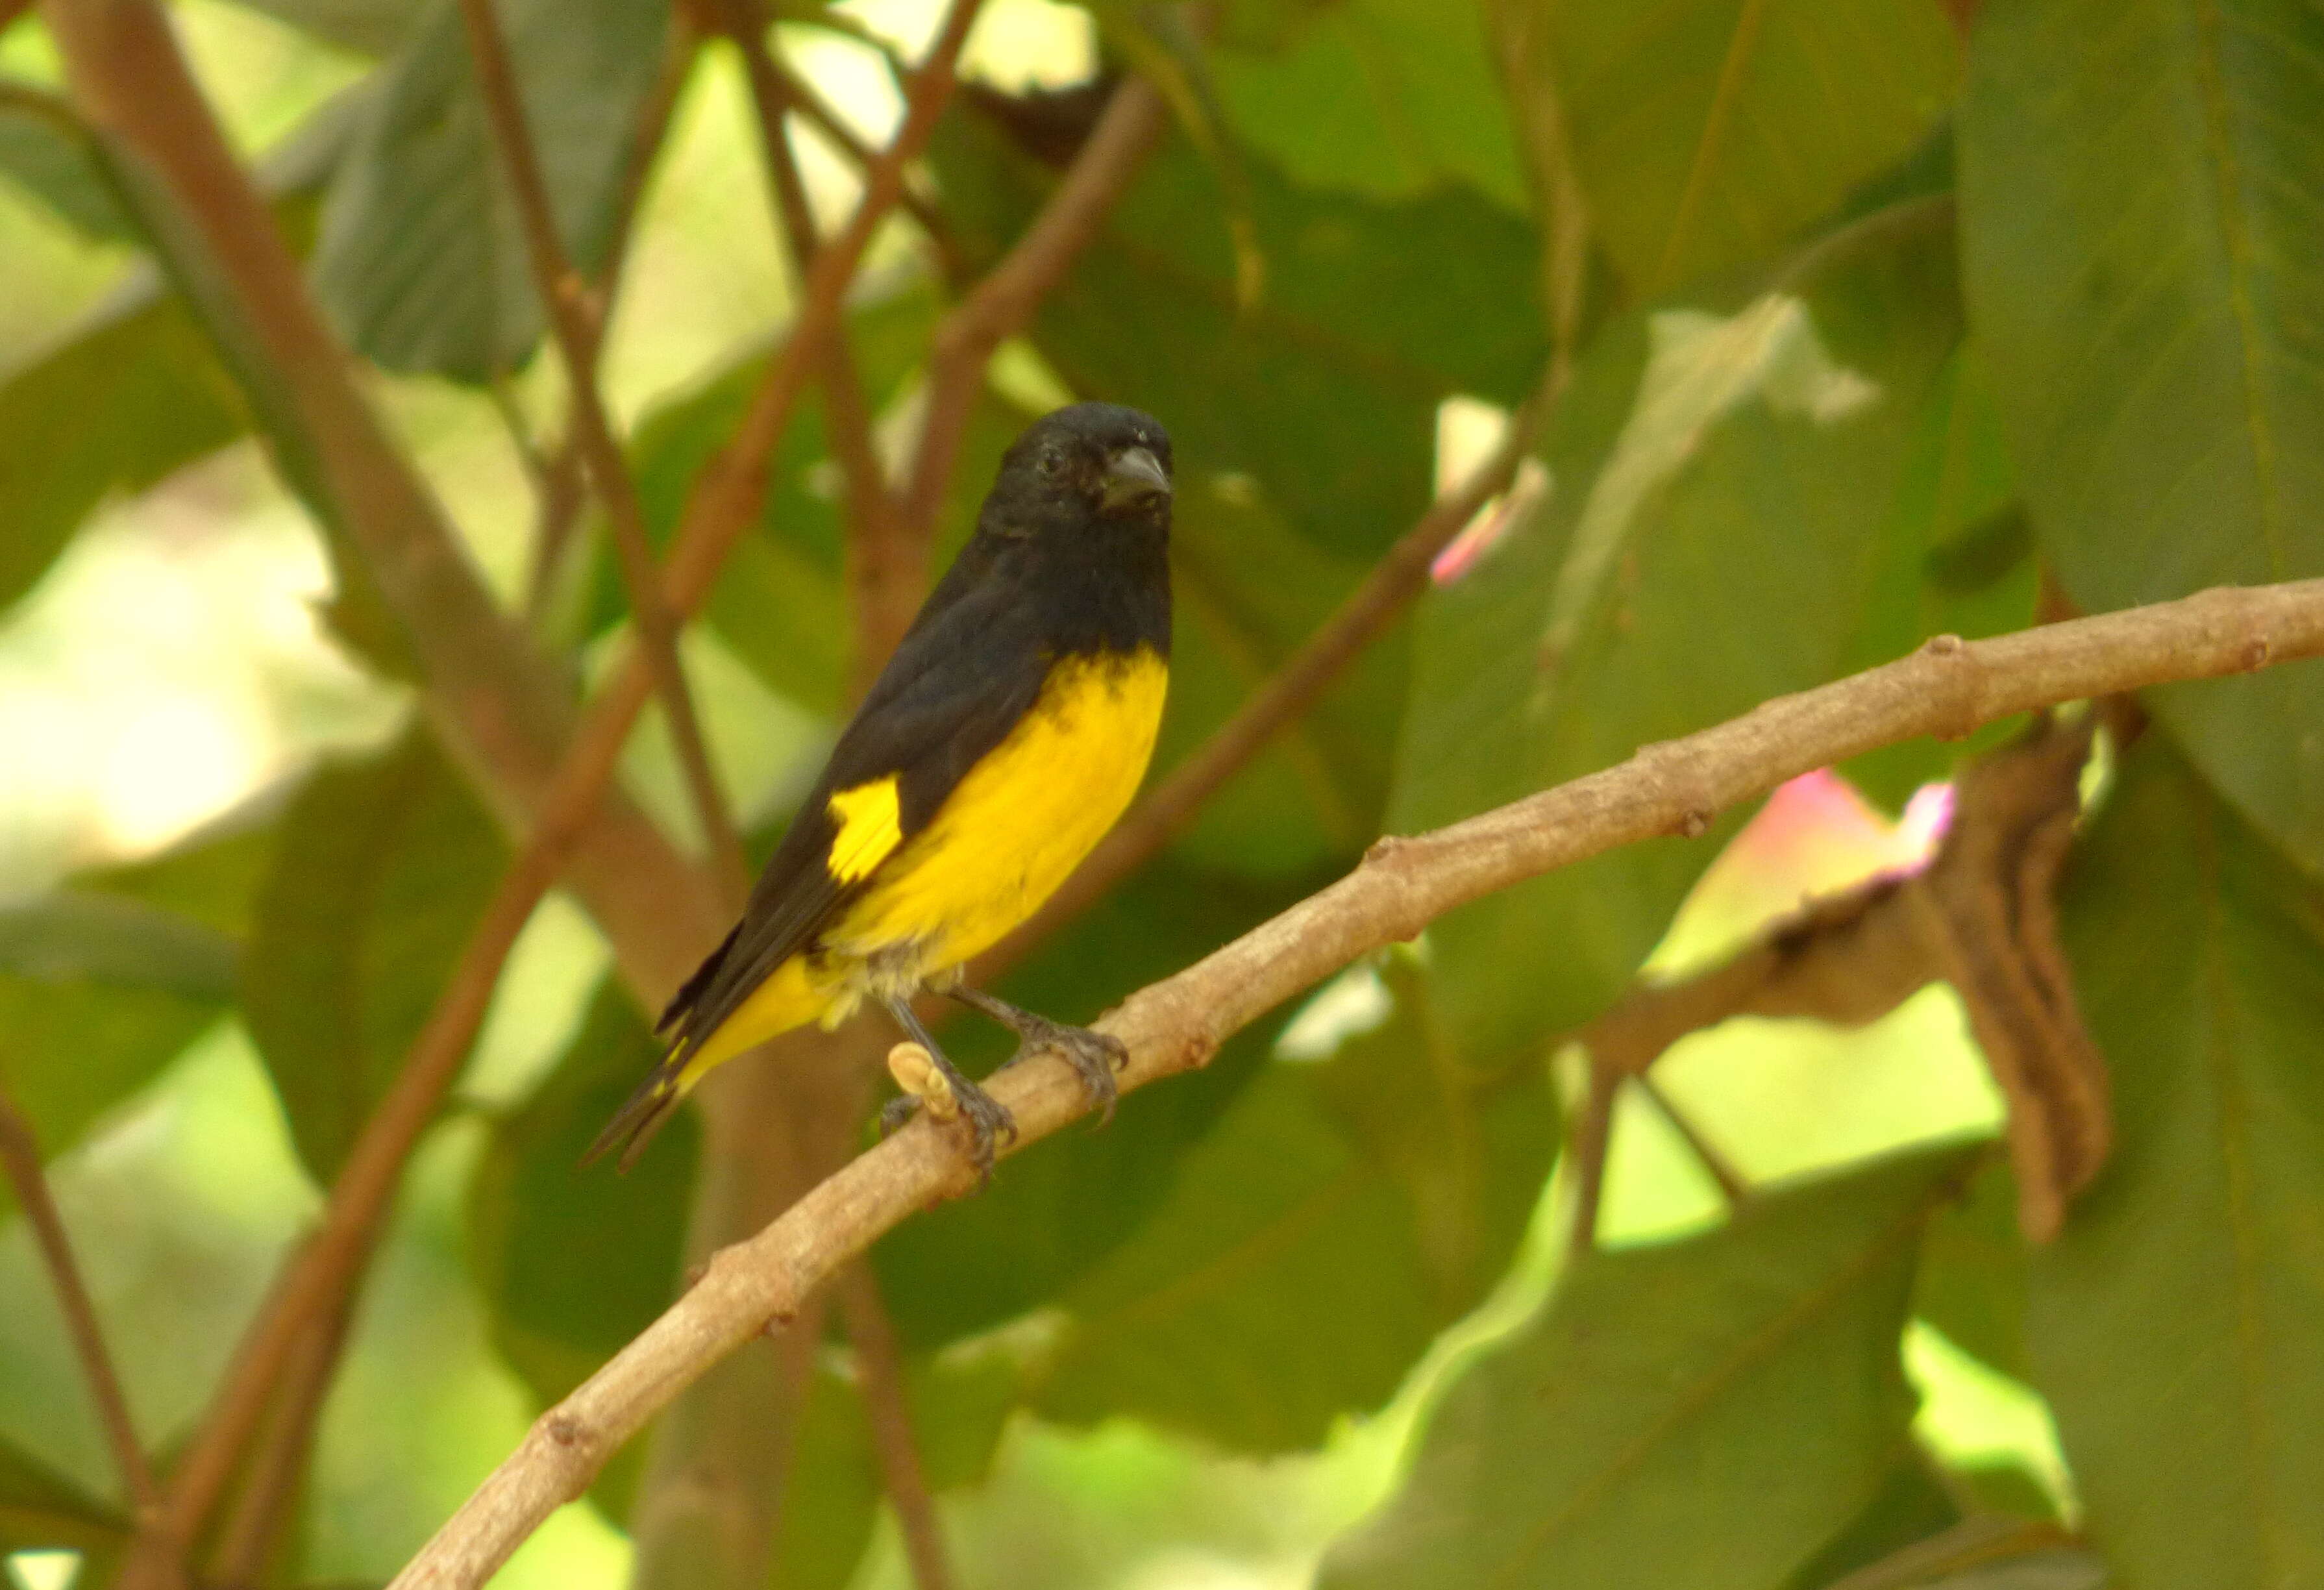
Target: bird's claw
1094,1056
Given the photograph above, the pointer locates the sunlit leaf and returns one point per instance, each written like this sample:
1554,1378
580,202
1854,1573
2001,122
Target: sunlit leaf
1709,1413
2144,259
2177,1326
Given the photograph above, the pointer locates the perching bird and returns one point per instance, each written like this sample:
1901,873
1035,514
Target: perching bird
1001,741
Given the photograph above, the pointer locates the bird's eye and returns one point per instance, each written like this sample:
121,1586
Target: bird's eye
1048,464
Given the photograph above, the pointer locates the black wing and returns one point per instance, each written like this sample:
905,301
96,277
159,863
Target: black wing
968,671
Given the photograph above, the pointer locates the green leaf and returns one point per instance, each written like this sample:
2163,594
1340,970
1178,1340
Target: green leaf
1324,392
130,399
1705,134
368,27
2177,1326
1909,1507
1049,1216
48,162
1721,530
39,1510
1709,1413
382,867
102,984
1342,1214
421,259
2144,259
1984,1553
1247,594
572,1264
1972,1284
1387,99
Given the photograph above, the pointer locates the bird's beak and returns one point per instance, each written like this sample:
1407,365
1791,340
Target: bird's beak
1133,479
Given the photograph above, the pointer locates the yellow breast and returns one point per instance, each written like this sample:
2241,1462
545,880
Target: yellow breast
1021,819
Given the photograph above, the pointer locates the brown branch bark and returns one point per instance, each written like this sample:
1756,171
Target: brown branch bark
253,1533
880,1374
575,325
1948,687
20,1155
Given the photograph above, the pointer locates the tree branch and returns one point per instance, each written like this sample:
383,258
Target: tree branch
1948,687
254,1533
879,1376
574,324
20,1154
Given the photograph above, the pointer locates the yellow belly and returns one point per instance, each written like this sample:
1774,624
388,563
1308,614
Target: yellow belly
1010,832
1020,822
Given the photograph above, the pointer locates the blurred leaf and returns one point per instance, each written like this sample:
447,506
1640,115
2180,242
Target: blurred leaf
1314,1245
49,163
1704,134
67,936
778,601
161,400
1325,391
102,984
965,1267
1709,1413
1387,99
1972,1282
2177,1326
368,27
141,361
1719,532
1984,1553
40,1511
1909,1507
957,1405
2147,273
1247,593
572,1264
383,866
421,259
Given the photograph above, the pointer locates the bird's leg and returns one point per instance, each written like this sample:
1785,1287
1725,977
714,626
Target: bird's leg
988,1118
1093,1055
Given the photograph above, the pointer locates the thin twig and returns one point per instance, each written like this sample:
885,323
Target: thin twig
810,102
872,507
880,1372
573,322
1593,1135
1400,576
1948,687
1003,303
254,1528
559,479
20,1153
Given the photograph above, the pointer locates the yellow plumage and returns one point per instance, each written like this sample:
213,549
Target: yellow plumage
1003,842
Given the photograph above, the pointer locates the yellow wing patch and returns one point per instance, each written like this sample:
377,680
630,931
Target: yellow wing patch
870,825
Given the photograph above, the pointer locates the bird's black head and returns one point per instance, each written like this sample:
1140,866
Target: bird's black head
1091,464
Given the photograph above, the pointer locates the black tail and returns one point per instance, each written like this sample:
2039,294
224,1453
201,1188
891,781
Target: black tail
634,1125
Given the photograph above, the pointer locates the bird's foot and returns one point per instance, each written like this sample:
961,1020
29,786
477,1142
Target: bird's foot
929,1081
1093,1056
